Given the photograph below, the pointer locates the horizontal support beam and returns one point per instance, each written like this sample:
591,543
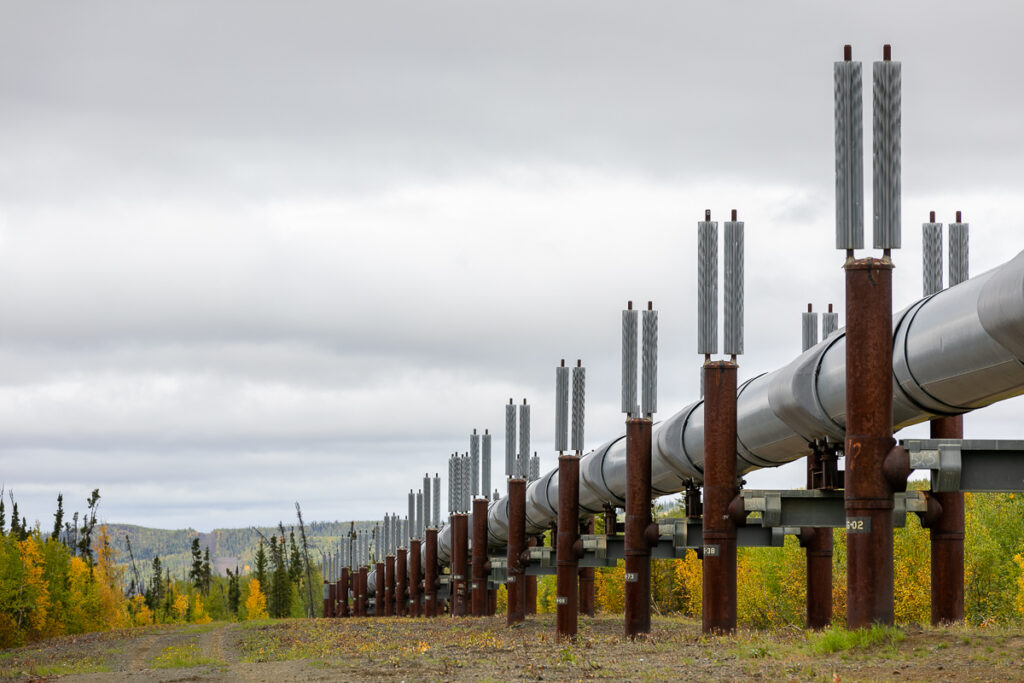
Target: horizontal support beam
977,465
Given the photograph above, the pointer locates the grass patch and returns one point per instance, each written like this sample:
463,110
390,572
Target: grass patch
841,640
84,666
182,657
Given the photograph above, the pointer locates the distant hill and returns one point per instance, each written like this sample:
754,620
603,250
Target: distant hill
228,547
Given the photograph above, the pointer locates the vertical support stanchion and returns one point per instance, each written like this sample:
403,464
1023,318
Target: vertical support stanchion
868,494
478,586
566,558
379,599
947,539
515,583
343,592
327,600
401,581
719,545
586,575
638,521
415,560
460,549
531,580
430,573
389,586
362,591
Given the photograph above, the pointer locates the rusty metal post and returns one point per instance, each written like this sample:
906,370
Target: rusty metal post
415,574
873,465
327,600
531,580
516,583
817,542
401,581
492,601
479,565
460,553
380,600
638,527
586,575
719,563
389,586
362,591
566,558
947,539
343,591
430,579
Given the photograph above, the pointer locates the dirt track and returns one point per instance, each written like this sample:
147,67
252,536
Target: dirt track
485,649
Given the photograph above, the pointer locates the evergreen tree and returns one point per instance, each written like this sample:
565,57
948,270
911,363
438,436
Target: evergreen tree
260,564
58,518
155,592
281,589
234,590
168,591
15,520
207,571
295,560
88,524
195,574
3,517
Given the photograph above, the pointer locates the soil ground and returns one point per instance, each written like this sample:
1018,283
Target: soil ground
486,649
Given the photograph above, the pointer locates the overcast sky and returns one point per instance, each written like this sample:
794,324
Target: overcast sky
253,253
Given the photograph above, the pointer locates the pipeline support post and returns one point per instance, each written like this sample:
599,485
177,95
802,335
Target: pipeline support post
343,591
430,578
586,575
720,488
638,528
817,543
516,583
566,557
414,577
327,600
389,586
947,539
401,581
479,564
873,466
460,550
362,591
380,608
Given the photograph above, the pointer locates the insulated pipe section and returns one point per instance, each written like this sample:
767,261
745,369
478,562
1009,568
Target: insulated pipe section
707,288
886,152
437,501
849,119
428,520
629,331
412,519
562,408
732,254
957,351
579,385
418,532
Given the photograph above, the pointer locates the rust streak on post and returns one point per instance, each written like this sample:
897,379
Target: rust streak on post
637,575
401,581
343,591
460,550
430,579
566,559
868,495
479,565
389,586
719,563
516,582
586,575
947,539
415,574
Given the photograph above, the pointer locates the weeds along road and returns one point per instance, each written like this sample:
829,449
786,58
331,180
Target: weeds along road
485,649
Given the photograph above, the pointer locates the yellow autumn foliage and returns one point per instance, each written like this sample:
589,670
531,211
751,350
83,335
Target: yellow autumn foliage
255,602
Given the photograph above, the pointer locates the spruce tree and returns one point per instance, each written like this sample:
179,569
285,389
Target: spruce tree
15,521
58,518
3,517
295,560
260,566
207,571
282,584
234,590
195,574
155,591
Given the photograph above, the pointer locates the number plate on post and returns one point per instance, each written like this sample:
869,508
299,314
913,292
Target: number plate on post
631,577
712,550
858,525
